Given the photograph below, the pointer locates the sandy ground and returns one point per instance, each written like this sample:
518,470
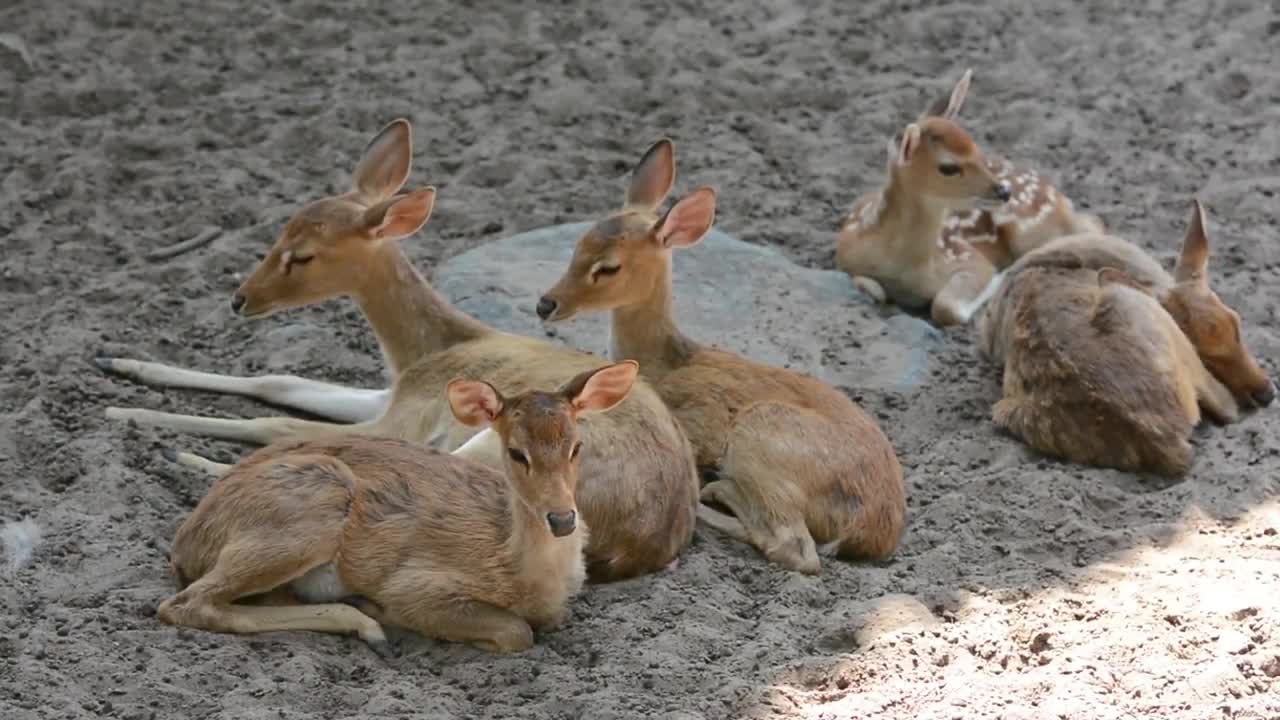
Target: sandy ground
1023,589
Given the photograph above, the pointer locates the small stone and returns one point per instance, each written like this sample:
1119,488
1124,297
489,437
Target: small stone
499,282
1232,642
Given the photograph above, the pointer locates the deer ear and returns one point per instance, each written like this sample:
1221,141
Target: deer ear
948,106
474,403
402,216
688,220
384,166
653,176
600,389
1193,263
909,145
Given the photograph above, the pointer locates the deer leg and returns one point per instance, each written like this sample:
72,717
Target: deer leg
327,400
1216,400
964,294
726,524
209,602
780,536
485,626
192,460
870,287
485,447
260,431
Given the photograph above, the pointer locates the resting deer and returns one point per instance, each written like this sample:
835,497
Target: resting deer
639,490
1108,360
799,463
919,241
447,547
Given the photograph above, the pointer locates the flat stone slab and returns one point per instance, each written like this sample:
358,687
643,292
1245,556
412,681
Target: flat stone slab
746,298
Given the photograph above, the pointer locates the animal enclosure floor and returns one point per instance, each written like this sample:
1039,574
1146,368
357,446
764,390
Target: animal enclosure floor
1023,588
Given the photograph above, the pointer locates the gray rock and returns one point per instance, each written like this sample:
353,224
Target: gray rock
741,297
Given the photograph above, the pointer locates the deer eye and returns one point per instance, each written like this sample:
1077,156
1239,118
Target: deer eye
950,169
518,457
606,271
292,260
577,448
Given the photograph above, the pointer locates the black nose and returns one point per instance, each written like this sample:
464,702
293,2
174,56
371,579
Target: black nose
237,302
1264,397
546,306
1001,192
561,524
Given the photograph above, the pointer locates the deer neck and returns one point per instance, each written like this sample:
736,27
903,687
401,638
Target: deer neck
911,221
646,332
540,560
410,319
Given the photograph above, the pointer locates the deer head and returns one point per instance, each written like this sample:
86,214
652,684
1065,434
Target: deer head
322,250
936,159
621,259
539,434
1212,327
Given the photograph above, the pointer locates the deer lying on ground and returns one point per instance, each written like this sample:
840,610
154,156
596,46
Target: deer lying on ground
919,241
1108,360
640,487
799,463
450,548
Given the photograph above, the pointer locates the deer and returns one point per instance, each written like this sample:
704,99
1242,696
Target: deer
1109,360
351,532
949,218
639,491
794,460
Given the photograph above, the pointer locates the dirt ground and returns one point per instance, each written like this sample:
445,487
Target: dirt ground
1023,589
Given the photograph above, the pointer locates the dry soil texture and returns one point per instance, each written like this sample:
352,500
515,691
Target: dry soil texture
1023,589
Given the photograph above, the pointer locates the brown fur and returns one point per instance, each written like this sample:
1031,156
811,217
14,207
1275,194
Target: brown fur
1108,360
447,547
916,243
799,463
640,490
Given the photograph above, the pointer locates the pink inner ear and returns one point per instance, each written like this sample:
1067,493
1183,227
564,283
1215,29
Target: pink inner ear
910,140
606,388
475,402
407,216
688,220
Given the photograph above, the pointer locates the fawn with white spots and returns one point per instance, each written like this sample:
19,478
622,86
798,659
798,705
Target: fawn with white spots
344,533
926,240
1109,360
797,462
639,490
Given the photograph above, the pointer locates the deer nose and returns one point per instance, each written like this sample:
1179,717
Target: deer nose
1265,396
546,306
1001,192
561,523
237,302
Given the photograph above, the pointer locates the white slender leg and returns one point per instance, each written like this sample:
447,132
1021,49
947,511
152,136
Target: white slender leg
261,431
485,447
966,310
327,400
192,460
870,287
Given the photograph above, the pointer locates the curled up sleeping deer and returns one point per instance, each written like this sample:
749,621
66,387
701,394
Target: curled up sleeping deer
639,490
1109,360
346,533
948,218
797,462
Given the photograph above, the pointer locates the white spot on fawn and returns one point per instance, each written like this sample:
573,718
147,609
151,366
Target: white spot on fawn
866,216
20,541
